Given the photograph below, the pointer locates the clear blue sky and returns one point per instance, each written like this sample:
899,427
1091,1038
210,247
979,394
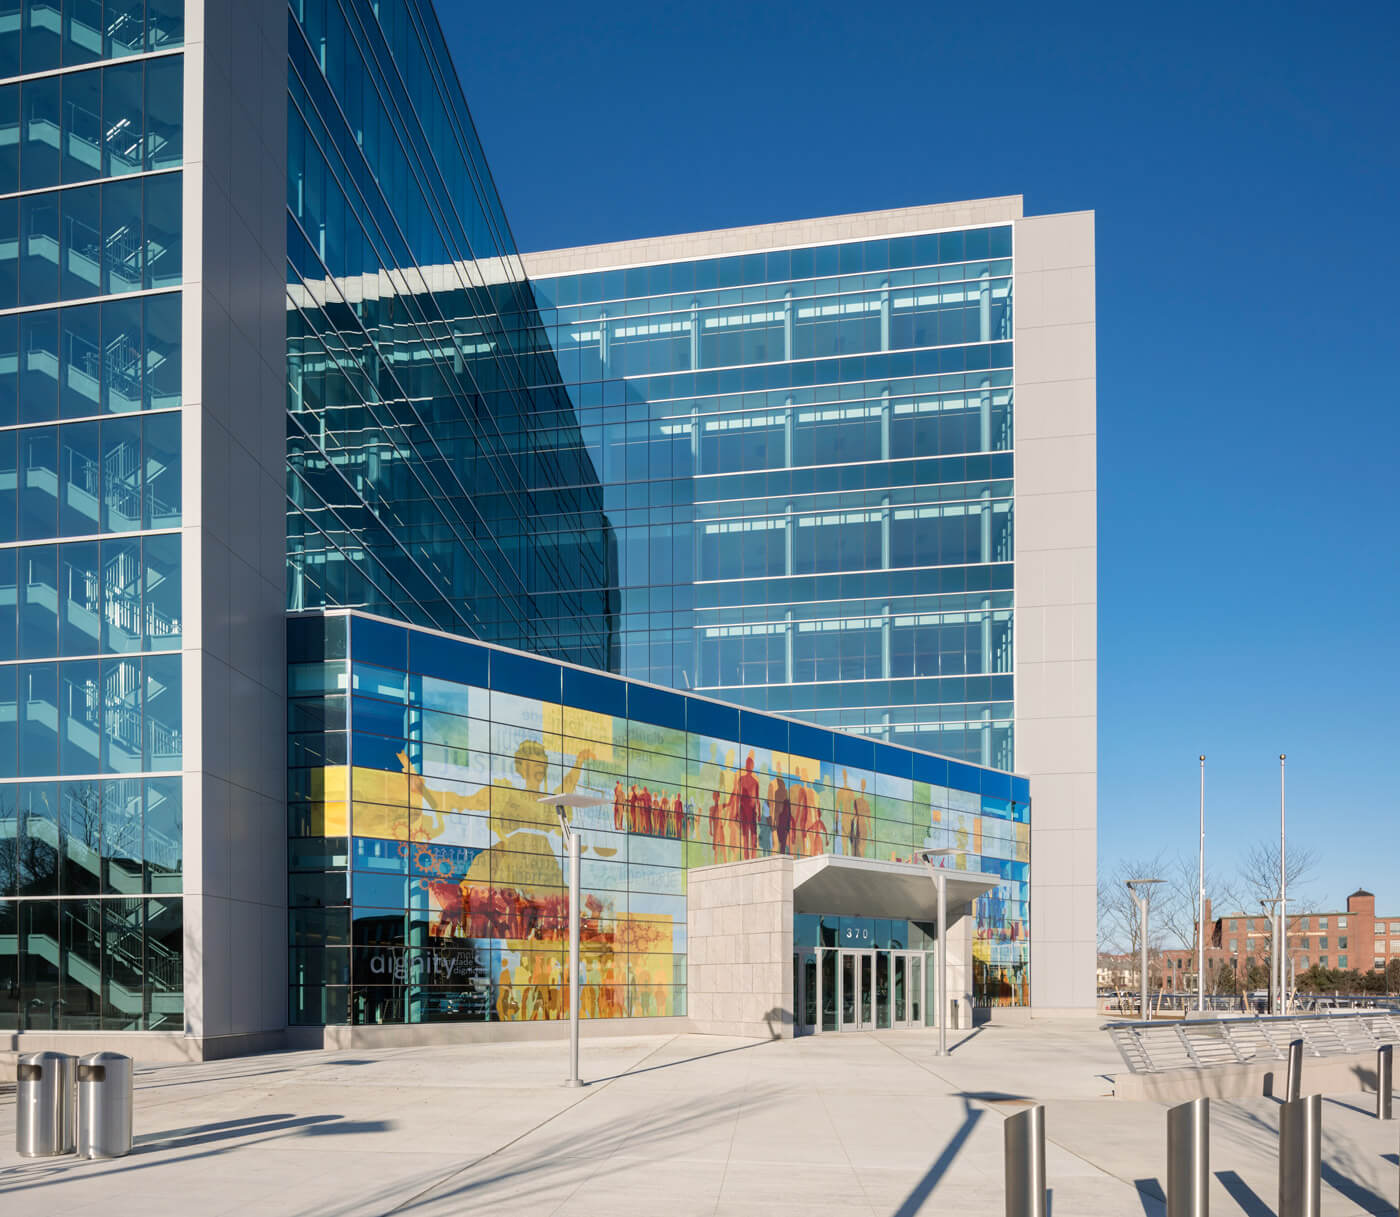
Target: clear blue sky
1244,164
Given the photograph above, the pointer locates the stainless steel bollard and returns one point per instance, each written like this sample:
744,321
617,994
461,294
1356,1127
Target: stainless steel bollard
1024,1139
1188,1159
1300,1158
1385,1062
1294,1089
44,1105
104,1105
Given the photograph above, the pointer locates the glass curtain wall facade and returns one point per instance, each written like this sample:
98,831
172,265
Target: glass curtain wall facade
436,470
807,456
427,870
90,509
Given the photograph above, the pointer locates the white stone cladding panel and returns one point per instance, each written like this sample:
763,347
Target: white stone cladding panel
1056,597
739,948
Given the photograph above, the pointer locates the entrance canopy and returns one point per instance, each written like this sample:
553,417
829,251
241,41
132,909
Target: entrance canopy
861,887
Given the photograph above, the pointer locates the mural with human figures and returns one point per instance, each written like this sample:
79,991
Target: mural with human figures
455,868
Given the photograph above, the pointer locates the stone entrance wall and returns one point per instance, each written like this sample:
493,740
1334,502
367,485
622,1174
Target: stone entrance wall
739,948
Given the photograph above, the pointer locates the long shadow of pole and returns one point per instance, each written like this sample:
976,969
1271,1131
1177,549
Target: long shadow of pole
914,1202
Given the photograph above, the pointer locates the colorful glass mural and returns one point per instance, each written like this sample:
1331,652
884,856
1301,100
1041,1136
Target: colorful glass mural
427,861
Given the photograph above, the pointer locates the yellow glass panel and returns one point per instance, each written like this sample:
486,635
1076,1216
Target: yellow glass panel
376,820
328,784
377,786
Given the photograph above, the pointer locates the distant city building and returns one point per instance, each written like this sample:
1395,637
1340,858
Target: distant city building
1355,939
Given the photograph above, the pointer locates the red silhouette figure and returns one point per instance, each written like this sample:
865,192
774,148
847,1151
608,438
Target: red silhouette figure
743,805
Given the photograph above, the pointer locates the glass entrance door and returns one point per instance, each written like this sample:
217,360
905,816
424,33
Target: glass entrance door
850,991
872,990
857,990
806,992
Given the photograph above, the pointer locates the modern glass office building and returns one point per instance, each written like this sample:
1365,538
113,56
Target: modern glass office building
428,872
809,455
267,346
91,500
850,465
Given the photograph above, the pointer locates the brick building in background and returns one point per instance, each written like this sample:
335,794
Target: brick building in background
1352,939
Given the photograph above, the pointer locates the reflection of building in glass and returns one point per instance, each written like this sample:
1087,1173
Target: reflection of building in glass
92,738
850,465
427,876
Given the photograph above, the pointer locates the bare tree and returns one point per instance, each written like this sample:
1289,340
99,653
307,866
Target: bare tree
1259,876
1258,873
1119,924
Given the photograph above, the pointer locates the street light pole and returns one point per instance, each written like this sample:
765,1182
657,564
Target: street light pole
1143,900
1282,1007
573,841
1201,904
940,883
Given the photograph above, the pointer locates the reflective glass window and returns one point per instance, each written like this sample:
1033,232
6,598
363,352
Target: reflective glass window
81,148
121,594
162,713
80,481
81,242
121,474
38,367
121,242
9,721
161,471
38,718
10,244
163,226
79,599
9,604
121,715
125,28
122,124
41,106
162,352
80,369
78,722
122,355
38,491
121,836
9,135
38,584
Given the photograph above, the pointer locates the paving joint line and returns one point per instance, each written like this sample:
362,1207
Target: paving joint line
585,1091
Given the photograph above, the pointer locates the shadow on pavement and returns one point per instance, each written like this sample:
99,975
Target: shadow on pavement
914,1202
1151,1196
1244,1195
703,1056
530,1164
154,1150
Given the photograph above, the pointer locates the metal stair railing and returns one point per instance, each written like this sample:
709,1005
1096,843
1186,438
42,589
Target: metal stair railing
1156,1047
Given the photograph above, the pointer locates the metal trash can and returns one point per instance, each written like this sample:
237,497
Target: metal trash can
44,1104
104,1105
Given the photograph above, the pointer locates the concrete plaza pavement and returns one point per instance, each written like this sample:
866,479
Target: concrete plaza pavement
872,1123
